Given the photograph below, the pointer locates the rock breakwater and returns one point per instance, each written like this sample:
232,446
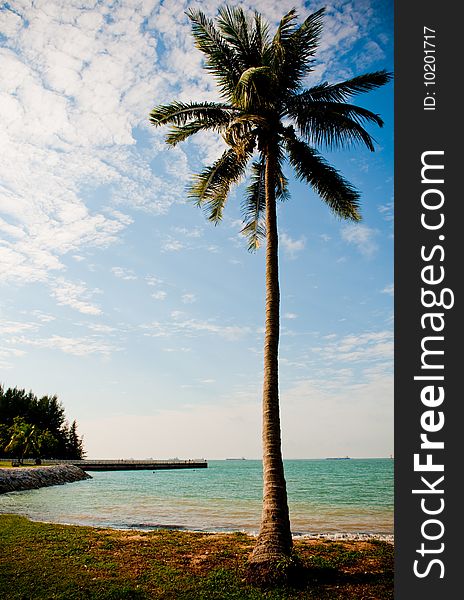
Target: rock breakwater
30,478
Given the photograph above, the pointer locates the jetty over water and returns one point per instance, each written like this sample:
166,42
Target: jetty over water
134,465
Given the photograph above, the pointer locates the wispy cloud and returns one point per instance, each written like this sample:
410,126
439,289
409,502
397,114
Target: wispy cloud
194,232
172,245
74,295
361,347
389,289
126,274
291,246
12,327
386,210
180,325
152,280
372,52
362,237
77,346
159,295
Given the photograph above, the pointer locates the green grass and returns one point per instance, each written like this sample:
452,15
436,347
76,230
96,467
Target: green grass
46,561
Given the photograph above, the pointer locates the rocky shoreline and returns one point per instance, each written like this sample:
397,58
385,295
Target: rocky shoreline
30,478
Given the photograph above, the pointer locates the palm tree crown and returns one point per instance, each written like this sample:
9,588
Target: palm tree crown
267,116
266,107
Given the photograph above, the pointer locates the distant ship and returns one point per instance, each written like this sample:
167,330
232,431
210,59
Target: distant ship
241,458
338,458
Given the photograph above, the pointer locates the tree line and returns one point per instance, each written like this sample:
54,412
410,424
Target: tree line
32,427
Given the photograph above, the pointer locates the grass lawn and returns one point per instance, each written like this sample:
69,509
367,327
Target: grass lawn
45,561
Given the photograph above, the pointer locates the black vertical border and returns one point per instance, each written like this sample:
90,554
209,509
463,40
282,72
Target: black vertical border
417,131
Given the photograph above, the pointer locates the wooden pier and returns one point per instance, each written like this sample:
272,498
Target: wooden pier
135,465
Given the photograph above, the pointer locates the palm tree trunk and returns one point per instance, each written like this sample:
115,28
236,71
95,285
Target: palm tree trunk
274,540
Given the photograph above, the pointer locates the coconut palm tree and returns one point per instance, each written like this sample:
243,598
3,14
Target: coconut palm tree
266,117
24,439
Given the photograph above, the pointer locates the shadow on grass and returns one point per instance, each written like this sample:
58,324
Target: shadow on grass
331,583
316,578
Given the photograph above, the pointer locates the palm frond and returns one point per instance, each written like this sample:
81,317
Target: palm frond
254,202
180,133
221,59
307,35
286,27
210,188
179,113
260,36
298,106
340,92
293,48
282,191
253,206
332,124
341,197
253,88
237,29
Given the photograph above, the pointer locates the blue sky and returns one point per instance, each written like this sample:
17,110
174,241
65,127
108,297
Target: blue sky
118,296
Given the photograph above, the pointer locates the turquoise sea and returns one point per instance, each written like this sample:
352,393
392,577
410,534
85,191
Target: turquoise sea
325,496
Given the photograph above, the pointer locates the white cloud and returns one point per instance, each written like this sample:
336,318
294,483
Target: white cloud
43,317
389,289
172,245
152,280
159,295
290,315
181,349
362,237
10,23
9,327
371,52
100,327
74,295
182,326
195,232
291,246
6,356
386,211
361,347
121,273
77,346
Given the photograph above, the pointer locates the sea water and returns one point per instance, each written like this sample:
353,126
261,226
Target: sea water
325,496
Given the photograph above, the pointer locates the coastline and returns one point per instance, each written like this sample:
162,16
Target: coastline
336,536
18,479
329,537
